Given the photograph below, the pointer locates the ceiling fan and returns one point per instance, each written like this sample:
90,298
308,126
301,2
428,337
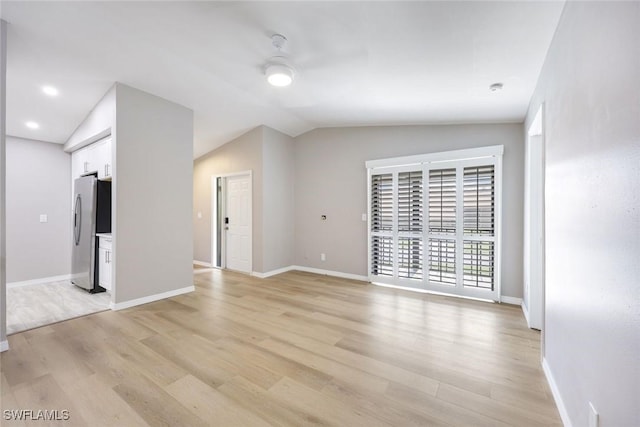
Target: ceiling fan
278,69
321,68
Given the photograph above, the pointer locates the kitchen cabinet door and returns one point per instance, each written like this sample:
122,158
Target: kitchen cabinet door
105,258
102,158
79,162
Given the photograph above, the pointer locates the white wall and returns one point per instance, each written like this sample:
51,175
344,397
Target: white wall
590,86
330,179
278,179
3,116
98,123
153,195
152,144
241,154
38,181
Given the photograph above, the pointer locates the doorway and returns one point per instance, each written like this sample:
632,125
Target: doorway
232,222
533,301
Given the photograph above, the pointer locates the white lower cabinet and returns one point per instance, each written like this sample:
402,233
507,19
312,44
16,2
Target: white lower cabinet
105,258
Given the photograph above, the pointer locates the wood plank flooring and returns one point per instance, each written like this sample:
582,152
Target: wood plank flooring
296,349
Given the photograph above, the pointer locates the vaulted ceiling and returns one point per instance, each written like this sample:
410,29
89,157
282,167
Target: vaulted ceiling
358,63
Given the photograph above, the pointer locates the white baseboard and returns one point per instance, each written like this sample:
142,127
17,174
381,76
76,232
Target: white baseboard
564,415
202,263
40,281
151,298
272,272
204,270
309,270
511,300
330,273
525,311
4,346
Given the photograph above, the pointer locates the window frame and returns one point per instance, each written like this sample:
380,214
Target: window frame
458,159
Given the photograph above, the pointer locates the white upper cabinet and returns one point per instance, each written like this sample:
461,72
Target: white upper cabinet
94,157
102,158
78,163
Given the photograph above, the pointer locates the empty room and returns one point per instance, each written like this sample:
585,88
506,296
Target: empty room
329,213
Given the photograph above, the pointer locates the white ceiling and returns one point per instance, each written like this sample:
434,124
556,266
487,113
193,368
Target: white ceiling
358,63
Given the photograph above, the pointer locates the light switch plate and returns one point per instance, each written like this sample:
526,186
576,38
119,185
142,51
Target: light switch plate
43,218
364,216
199,215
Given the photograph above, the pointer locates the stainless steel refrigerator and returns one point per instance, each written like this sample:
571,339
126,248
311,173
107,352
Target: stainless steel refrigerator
91,215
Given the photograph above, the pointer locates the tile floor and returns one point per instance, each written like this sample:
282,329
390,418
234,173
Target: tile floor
32,306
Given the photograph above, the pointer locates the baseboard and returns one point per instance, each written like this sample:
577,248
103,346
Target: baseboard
202,263
510,300
204,270
272,272
4,346
40,281
330,273
525,311
564,415
151,298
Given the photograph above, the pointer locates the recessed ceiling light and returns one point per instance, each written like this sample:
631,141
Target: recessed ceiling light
32,125
50,90
496,87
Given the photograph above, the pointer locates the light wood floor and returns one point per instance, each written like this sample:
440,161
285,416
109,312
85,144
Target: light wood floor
296,349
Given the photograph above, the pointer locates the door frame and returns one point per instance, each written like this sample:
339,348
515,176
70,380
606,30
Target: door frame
534,206
214,218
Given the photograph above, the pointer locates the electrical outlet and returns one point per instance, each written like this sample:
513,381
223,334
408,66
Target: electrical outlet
594,418
323,257
364,217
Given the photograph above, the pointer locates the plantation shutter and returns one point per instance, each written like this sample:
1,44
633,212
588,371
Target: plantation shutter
434,222
410,220
442,201
442,226
479,222
381,225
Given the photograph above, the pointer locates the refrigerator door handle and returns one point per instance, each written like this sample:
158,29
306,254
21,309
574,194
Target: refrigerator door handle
77,219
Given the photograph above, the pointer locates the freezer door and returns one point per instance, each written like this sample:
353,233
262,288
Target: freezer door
83,239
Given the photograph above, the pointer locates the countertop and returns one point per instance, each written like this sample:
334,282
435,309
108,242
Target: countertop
104,235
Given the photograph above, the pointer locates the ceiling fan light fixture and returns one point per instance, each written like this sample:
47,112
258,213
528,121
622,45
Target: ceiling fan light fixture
279,75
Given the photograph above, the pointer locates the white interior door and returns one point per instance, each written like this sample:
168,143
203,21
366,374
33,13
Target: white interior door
238,223
534,226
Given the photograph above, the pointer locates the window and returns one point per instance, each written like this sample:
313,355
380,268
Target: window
434,221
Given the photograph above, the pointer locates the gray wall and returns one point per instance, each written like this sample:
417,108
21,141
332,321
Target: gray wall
278,178
153,195
330,179
590,86
38,182
242,154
